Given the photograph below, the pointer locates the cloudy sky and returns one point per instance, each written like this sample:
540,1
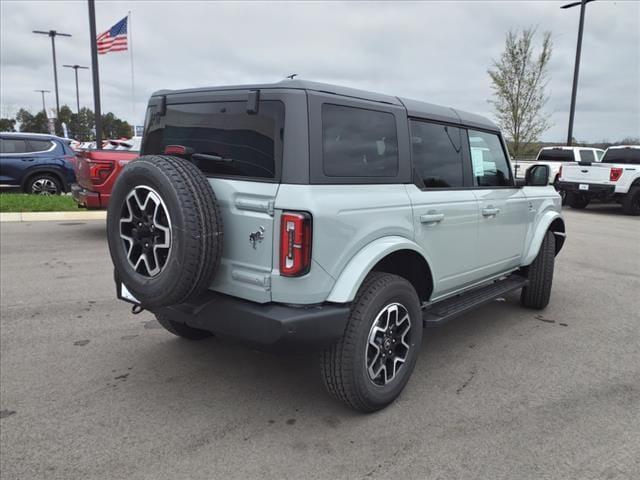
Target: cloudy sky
433,51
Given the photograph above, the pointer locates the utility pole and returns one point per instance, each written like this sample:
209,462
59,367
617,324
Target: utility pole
576,68
53,34
44,108
94,71
76,67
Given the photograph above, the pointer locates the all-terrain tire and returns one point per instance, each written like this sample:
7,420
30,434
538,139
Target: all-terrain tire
196,230
577,200
631,201
344,366
181,329
537,293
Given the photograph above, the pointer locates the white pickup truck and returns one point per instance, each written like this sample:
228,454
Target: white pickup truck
616,178
554,157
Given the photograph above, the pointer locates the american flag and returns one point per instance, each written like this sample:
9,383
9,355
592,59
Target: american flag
114,39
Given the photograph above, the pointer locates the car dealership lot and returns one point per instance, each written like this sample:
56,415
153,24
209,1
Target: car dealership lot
90,391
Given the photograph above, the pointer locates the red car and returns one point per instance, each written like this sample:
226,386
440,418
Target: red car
96,173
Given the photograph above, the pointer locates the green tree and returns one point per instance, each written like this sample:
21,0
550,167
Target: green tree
7,125
113,127
37,123
518,80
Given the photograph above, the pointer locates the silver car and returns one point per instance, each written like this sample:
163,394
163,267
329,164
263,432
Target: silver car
307,215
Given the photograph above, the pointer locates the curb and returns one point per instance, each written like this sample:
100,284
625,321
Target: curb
51,216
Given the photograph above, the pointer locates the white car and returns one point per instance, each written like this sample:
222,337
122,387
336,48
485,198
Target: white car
554,157
616,178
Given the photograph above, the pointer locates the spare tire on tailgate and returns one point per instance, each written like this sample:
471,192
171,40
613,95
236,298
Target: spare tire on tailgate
164,230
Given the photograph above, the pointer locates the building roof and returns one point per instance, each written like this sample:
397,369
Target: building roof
414,108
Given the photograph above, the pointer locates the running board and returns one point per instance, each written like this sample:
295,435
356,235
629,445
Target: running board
438,313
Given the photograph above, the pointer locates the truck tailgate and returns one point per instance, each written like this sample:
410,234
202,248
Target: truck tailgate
595,173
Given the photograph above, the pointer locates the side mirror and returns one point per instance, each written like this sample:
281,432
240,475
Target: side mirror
537,176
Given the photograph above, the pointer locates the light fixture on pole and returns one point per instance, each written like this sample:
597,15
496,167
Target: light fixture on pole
576,68
53,34
44,108
76,67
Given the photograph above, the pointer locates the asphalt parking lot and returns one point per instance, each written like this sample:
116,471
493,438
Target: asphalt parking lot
90,391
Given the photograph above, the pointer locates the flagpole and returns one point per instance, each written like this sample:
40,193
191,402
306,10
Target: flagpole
133,95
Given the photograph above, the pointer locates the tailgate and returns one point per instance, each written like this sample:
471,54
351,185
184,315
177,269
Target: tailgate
595,173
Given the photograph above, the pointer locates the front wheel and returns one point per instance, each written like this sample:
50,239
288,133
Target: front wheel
537,293
370,366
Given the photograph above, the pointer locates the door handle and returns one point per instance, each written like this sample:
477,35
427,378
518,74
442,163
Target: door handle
490,211
432,218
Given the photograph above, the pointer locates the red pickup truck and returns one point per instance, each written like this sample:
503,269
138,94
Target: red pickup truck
96,173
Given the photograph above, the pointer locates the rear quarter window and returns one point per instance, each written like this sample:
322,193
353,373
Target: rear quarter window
358,142
221,138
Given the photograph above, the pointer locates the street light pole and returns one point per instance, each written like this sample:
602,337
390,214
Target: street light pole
76,67
44,108
53,34
576,68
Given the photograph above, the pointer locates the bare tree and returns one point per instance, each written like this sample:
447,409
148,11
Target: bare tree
518,80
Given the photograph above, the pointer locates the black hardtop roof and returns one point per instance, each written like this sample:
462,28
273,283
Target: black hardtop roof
414,108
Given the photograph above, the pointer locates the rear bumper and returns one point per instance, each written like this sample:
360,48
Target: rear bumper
270,325
594,188
87,198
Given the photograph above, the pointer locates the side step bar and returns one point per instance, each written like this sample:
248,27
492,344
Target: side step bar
438,313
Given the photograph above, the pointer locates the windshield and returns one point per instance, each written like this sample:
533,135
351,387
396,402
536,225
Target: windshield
622,155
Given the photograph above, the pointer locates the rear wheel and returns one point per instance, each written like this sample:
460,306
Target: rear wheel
181,329
537,293
577,200
44,184
631,201
369,367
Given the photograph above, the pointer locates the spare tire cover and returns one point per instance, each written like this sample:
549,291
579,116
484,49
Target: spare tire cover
164,230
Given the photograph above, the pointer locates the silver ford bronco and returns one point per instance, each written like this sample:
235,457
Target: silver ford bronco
311,215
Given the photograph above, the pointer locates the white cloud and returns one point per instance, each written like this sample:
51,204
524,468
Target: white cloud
433,51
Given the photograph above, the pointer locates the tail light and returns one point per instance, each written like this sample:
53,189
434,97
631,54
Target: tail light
99,171
615,174
295,244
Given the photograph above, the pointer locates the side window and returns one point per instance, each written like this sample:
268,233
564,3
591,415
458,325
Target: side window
358,143
490,166
587,156
11,145
39,145
436,151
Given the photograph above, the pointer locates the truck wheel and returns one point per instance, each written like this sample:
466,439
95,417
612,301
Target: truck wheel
164,230
536,294
631,201
370,365
562,193
181,329
577,200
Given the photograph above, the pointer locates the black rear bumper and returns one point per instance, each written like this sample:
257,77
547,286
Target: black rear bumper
594,188
270,325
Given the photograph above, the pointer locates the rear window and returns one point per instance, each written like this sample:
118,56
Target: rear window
357,142
558,155
622,155
221,138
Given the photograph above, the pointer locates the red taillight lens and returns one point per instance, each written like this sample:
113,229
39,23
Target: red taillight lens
99,171
175,150
615,174
295,244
